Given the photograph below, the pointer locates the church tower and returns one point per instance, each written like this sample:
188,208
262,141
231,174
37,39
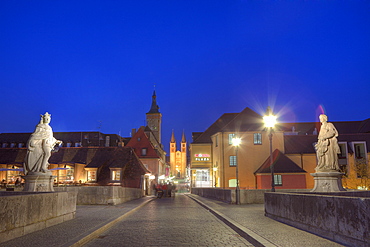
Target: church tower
154,118
178,158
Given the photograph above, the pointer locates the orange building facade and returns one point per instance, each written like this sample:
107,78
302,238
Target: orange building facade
214,158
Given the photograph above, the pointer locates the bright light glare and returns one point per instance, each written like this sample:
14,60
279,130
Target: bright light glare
270,121
236,141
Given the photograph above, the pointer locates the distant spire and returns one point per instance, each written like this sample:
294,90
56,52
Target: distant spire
173,140
154,108
183,137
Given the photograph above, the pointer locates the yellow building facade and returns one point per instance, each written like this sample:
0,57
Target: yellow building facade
214,158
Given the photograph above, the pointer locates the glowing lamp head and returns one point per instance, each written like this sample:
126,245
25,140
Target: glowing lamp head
270,121
236,141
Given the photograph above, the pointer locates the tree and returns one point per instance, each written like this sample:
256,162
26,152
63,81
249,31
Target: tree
359,176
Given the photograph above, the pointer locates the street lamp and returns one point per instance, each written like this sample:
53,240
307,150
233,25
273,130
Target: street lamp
236,142
270,121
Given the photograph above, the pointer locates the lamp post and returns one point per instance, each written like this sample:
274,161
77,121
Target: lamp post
270,121
236,142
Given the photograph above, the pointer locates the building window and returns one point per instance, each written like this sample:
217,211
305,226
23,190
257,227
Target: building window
278,180
257,138
20,145
116,175
144,151
69,144
232,182
12,145
359,149
91,175
217,141
231,137
5,145
202,175
232,160
361,166
77,144
342,158
107,141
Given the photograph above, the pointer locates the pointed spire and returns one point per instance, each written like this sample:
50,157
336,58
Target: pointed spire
183,137
154,108
173,140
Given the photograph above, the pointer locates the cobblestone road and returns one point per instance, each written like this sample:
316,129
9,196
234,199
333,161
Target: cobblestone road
174,221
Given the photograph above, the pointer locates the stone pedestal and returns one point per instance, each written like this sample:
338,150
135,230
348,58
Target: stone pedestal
39,182
327,182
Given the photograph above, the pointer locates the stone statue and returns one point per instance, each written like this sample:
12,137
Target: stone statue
327,148
39,147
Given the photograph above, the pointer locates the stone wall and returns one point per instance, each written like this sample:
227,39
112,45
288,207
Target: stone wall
343,217
25,212
228,195
103,194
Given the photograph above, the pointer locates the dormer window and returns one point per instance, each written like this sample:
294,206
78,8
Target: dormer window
144,151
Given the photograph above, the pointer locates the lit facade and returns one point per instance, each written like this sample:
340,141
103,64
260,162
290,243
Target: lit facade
178,158
213,157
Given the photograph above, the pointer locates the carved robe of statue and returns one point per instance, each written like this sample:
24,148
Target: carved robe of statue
39,146
327,148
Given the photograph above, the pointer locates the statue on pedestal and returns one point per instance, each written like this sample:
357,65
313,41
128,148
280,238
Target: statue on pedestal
39,146
327,148
35,166
327,177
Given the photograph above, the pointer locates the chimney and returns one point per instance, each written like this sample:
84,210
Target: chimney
133,132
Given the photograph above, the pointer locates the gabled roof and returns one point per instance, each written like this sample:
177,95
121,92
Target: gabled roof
247,120
139,141
282,164
205,137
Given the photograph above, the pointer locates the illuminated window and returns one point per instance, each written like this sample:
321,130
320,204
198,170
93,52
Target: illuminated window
231,137
91,175
144,151
342,158
116,175
232,182
257,138
202,175
278,180
232,160
359,149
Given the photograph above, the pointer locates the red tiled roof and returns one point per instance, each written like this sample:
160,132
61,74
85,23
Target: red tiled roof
282,164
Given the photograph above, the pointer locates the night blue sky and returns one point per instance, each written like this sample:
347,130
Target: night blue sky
95,63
